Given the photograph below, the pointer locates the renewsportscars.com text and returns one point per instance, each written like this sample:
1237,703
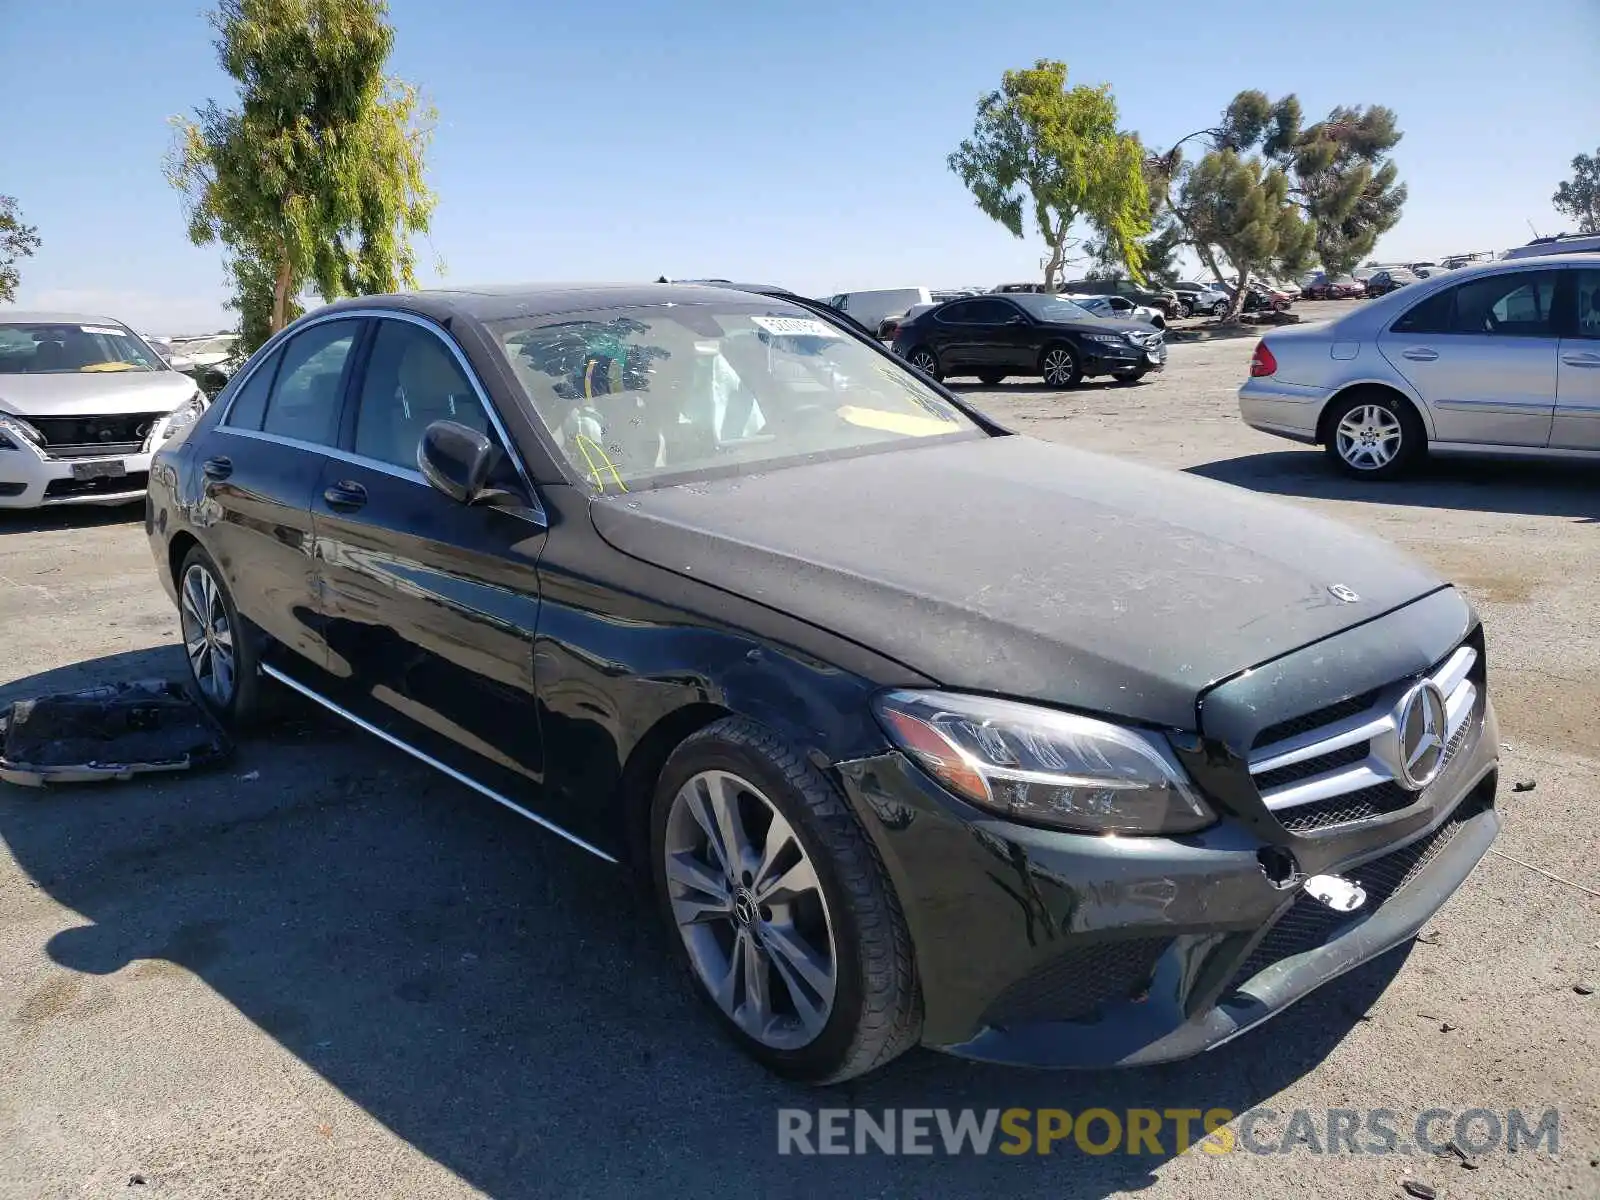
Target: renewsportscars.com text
1019,1131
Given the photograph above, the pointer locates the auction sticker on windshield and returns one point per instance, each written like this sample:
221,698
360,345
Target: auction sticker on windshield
795,327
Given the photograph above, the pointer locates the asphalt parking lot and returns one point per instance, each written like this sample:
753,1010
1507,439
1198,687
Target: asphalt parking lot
325,971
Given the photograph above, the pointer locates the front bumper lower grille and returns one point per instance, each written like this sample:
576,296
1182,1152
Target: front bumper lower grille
1075,984
1309,923
1340,764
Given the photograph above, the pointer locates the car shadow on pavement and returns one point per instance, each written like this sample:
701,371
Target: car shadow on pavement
68,516
497,999
1555,489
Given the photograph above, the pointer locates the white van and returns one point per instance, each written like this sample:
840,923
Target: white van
870,308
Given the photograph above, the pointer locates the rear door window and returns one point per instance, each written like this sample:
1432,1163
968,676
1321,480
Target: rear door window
1512,305
988,312
305,400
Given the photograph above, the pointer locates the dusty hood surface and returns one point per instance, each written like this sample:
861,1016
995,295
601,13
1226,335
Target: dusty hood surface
1025,568
93,393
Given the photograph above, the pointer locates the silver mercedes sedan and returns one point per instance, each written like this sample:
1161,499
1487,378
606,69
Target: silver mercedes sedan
1499,359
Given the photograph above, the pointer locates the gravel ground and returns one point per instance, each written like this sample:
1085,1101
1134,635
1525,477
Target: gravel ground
325,971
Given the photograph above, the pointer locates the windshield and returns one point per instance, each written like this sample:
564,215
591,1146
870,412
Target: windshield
62,349
640,395
1053,308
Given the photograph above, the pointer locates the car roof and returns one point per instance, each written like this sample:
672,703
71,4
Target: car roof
508,301
15,317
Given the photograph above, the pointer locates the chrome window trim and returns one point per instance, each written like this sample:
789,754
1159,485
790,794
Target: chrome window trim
334,452
273,344
294,684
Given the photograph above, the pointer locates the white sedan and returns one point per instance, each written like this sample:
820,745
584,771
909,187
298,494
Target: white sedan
84,403
1119,308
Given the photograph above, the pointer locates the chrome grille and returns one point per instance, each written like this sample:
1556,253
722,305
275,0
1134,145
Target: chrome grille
1343,768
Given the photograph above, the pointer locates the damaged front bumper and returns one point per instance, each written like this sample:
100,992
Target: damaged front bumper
1047,949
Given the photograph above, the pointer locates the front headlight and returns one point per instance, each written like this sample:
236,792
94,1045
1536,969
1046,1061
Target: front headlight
16,433
179,419
1043,766
1106,339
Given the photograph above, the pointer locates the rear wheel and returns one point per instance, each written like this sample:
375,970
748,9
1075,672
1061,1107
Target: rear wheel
926,361
780,908
1374,435
223,666
990,378
1059,366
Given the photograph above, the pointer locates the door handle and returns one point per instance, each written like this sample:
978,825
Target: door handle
218,468
345,496
1581,358
1419,354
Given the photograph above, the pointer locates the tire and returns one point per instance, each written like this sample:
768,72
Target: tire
1133,376
1219,308
990,378
1374,435
1185,310
845,903
1060,366
214,637
926,361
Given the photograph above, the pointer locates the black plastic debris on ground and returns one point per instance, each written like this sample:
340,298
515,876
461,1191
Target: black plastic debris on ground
115,731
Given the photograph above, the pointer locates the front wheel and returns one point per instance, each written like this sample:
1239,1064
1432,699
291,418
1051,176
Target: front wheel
1060,367
779,907
1375,436
926,361
1220,307
990,378
222,657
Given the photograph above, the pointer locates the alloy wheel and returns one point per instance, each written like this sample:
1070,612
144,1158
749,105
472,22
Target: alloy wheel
1369,437
751,910
924,361
1059,367
208,635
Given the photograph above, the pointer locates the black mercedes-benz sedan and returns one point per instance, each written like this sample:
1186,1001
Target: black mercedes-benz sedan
1028,334
920,731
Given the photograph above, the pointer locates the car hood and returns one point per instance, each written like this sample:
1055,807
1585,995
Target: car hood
93,393
1025,568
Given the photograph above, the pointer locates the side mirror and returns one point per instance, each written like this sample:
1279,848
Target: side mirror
456,460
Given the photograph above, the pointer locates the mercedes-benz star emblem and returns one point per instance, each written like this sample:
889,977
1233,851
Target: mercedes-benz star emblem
1339,592
1420,721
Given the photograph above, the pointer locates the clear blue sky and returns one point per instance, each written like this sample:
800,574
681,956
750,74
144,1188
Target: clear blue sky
798,143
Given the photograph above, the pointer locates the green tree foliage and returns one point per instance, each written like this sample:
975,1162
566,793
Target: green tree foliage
316,180
1579,197
1241,206
1339,169
17,240
1159,251
1039,147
